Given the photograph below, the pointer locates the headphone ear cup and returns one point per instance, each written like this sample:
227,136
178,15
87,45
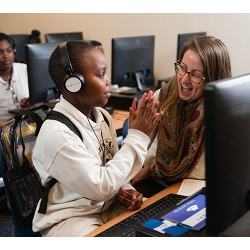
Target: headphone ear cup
74,83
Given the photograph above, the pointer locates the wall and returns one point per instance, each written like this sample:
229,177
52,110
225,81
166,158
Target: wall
233,29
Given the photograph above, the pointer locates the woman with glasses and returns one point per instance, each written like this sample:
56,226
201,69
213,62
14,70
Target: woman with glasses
177,151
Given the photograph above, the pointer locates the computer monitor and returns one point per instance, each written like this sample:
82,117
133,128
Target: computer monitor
20,41
133,61
185,37
41,87
227,122
61,37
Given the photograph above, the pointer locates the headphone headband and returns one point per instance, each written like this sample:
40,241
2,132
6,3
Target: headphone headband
65,57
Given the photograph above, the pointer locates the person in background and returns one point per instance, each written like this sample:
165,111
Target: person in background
92,173
34,37
14,91
178,149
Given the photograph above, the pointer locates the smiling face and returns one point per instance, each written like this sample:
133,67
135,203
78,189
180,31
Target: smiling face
94,70
188,90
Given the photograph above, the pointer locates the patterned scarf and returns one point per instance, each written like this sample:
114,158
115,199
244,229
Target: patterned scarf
180,136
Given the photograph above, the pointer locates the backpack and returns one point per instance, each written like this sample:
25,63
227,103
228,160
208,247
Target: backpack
23,184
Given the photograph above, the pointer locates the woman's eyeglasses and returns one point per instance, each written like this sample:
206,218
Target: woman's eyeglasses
194,77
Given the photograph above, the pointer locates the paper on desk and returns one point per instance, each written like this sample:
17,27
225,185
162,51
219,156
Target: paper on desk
190,186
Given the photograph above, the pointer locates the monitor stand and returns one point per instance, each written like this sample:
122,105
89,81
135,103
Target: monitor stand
241,228
140,82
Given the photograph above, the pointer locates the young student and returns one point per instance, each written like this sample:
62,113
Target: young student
178,148
14,91
92,174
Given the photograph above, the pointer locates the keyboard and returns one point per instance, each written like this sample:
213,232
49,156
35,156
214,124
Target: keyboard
127,227
125,90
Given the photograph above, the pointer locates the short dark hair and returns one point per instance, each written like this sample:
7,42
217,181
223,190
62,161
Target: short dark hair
75,51
95,43
9,39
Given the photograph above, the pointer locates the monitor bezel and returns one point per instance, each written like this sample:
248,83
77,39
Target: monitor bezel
63,36
40,82
182,38
227,121
135,72
20,41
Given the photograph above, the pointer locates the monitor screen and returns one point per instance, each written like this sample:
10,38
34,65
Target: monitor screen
185,37
227,122
61,37
20,41
41,86
133,61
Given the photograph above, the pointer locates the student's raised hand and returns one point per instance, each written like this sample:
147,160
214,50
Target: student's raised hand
144,116
129,198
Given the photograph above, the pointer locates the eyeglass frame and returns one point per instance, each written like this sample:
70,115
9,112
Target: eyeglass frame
176,64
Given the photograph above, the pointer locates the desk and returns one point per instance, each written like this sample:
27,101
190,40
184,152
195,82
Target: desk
172,189
122,101
119,116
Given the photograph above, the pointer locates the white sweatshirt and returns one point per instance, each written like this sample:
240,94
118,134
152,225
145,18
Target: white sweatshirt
83,182
19,84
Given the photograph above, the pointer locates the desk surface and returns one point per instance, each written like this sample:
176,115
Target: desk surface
119,101
172,189
119,116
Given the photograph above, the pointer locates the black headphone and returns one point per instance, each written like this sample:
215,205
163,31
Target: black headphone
74,82
8,38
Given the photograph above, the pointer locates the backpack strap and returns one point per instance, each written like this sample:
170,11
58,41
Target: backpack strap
44,200
54,115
